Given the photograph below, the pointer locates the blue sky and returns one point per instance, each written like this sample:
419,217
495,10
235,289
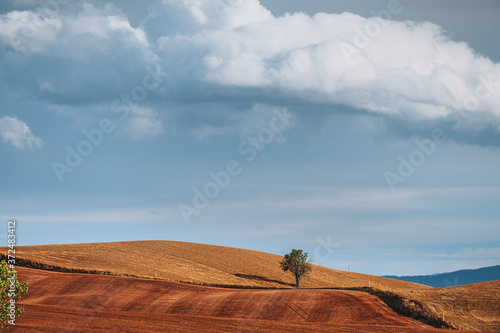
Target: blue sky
366,133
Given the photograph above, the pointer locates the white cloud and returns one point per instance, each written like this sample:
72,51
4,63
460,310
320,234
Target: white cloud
404,69
400,68
71,33
16,132
407,68
29,31
174,17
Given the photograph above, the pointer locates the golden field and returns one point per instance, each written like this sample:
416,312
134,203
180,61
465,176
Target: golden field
472,307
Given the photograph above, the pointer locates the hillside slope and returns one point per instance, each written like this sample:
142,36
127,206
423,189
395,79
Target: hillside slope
69,302
470,307
474,307
195,263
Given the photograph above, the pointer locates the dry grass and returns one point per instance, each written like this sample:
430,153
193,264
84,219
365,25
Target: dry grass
474,307
470,307
195,263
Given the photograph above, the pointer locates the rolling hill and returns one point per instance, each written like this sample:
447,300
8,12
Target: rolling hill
194,263
470,307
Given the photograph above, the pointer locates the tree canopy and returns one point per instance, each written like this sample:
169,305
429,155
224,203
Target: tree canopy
10,292
297,263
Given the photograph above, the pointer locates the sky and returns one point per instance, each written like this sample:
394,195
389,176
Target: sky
366,133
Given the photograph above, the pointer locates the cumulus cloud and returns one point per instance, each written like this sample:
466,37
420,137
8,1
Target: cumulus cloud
77,55
17,133
187,17
371,64
406,70
78,31
229,50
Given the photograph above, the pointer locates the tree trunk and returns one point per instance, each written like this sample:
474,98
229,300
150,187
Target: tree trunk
297,281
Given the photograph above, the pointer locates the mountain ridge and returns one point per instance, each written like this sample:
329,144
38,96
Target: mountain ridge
455,278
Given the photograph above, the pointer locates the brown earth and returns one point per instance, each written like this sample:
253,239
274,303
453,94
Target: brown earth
473,307
71,302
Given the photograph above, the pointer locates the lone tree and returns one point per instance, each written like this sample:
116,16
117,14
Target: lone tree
296,262
10,292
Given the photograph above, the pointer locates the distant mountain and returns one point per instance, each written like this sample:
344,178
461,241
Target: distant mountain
457,278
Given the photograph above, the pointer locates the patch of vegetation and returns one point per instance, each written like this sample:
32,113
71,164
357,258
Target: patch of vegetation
407,307
297,264
10,292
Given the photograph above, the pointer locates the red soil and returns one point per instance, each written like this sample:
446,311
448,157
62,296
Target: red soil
68,302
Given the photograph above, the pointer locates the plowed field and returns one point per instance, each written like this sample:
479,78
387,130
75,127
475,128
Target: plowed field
70,302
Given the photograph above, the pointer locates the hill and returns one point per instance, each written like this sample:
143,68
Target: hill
456,278
469,307
193,263
68,302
